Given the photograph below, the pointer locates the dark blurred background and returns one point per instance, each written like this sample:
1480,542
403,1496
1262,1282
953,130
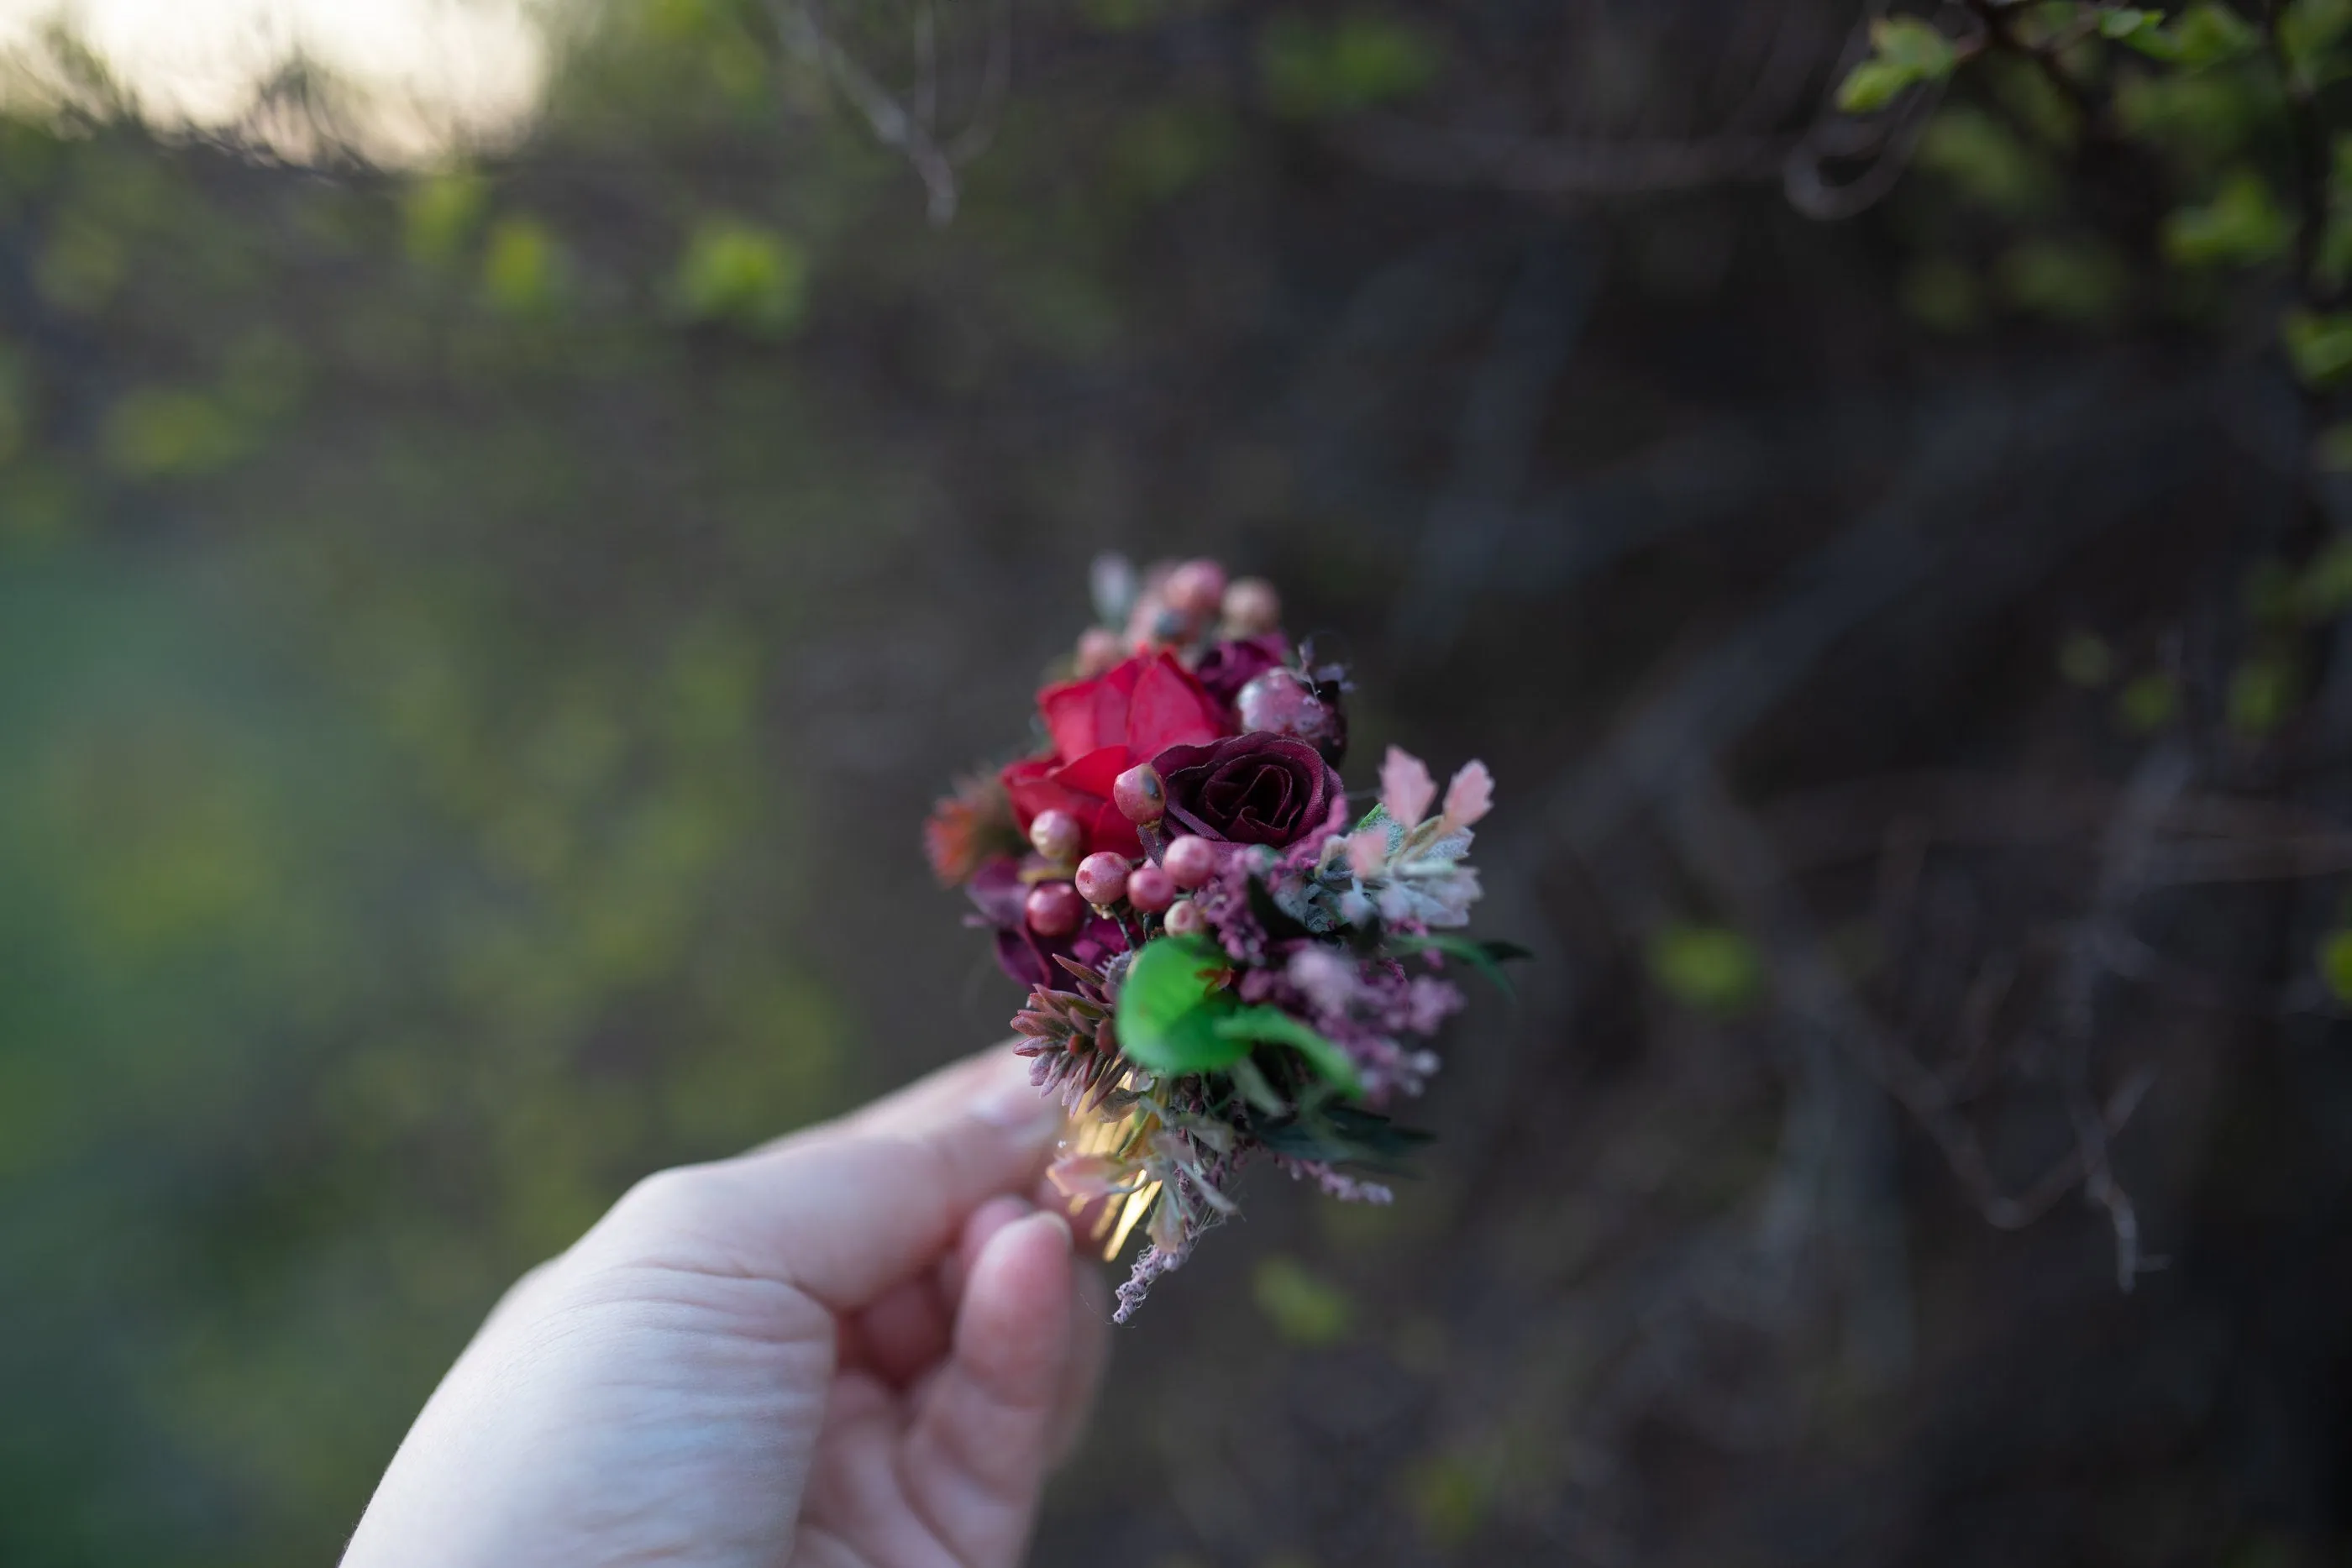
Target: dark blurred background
498,554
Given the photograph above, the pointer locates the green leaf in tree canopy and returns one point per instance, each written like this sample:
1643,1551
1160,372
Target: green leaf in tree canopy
2209,35
1905,50
2261,695
2320,345
2086,660
2240,226
1314,68
1912,43
1169,1005
2075,279
523,267
2308,34
2323,591
742,273
1271,1026
1304,1310
1709,967
2336,965
441,213
2148,702
1985,159
1872,85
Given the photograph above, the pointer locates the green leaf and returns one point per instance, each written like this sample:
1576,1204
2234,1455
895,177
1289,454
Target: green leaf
1254,1087
2334,262
1303,1310
2085,660
1712,969
524,267
2324,590
1339,1133
2074,280
743,273
1873,85
2148,703
1985,161
1914,44
2335,962
2261,695
2209,35
2319,345
1167,1018
2308,32
1905,51
154,433
2203,119
1315,69
440,213
1271,1026
2141,30
1487,958
1452,1497
2240,226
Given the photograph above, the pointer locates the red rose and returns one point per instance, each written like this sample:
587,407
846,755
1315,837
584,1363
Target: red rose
1101,728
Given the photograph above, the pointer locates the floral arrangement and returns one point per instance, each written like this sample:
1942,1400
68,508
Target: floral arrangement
1225,962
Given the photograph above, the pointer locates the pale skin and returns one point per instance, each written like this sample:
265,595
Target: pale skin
861,1346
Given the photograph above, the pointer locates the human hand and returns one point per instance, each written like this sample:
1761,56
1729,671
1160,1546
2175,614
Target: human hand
861,1346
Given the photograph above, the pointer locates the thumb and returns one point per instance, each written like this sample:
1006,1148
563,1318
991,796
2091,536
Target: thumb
846,1210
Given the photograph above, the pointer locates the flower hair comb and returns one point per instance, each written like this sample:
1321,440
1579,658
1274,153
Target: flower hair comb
1225,962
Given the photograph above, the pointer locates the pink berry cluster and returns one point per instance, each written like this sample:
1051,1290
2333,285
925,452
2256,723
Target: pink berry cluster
1111,883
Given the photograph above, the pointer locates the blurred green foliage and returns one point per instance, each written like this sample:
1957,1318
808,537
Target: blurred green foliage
1905,51
1315,68
741,273
1711,968
398,854
2335,965
2115,164
1304,1310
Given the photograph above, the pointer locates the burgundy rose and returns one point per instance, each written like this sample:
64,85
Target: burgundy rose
1231,664
1255,788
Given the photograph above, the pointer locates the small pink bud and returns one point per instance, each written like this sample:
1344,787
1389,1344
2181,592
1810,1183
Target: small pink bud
1055,909
1251,608
1139,794
1189,862
1057,835
1196,590
1099,648
1186,919
1150,889
1102,878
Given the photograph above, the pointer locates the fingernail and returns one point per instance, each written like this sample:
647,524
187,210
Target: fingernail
1019,1108
1046,1219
